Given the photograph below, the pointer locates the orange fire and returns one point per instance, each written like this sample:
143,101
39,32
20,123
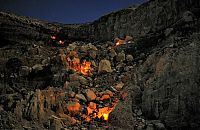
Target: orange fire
101,113
74,64
104,113
120,42
86,68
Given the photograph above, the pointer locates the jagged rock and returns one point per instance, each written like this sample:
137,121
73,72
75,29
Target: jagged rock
105,97
39,107
112,53
72,47
81,97
88,47
92,105
119,86
94,64
167,77
62,57
90,95
121,116
104,66
37,67
92,47
110,93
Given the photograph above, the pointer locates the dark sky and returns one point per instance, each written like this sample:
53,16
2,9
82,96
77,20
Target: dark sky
66,11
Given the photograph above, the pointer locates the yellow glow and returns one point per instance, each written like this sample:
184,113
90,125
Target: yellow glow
117,44
105,116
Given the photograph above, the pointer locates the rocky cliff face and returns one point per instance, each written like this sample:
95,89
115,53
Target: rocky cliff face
149,18
164,79
169,78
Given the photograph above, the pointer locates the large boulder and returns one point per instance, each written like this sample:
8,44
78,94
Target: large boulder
171,88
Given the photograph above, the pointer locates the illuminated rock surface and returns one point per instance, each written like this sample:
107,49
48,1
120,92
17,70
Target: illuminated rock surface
50,74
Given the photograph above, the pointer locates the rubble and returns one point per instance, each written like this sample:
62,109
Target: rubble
56,83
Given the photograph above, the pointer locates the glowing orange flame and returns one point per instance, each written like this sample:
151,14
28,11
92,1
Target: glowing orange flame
105,116
101,113
85,68
120,42
104,113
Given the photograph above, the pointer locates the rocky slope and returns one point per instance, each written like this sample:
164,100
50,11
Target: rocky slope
162,79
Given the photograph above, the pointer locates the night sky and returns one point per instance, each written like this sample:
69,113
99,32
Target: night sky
65,11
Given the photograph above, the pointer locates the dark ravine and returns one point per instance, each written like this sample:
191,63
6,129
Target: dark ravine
165,79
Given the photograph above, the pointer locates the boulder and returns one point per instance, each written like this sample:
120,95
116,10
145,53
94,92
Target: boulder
90,95
81,97
73,107
119,86
121,117
37,67
104,66
129,58
110,93
71,47
92,105
105,97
